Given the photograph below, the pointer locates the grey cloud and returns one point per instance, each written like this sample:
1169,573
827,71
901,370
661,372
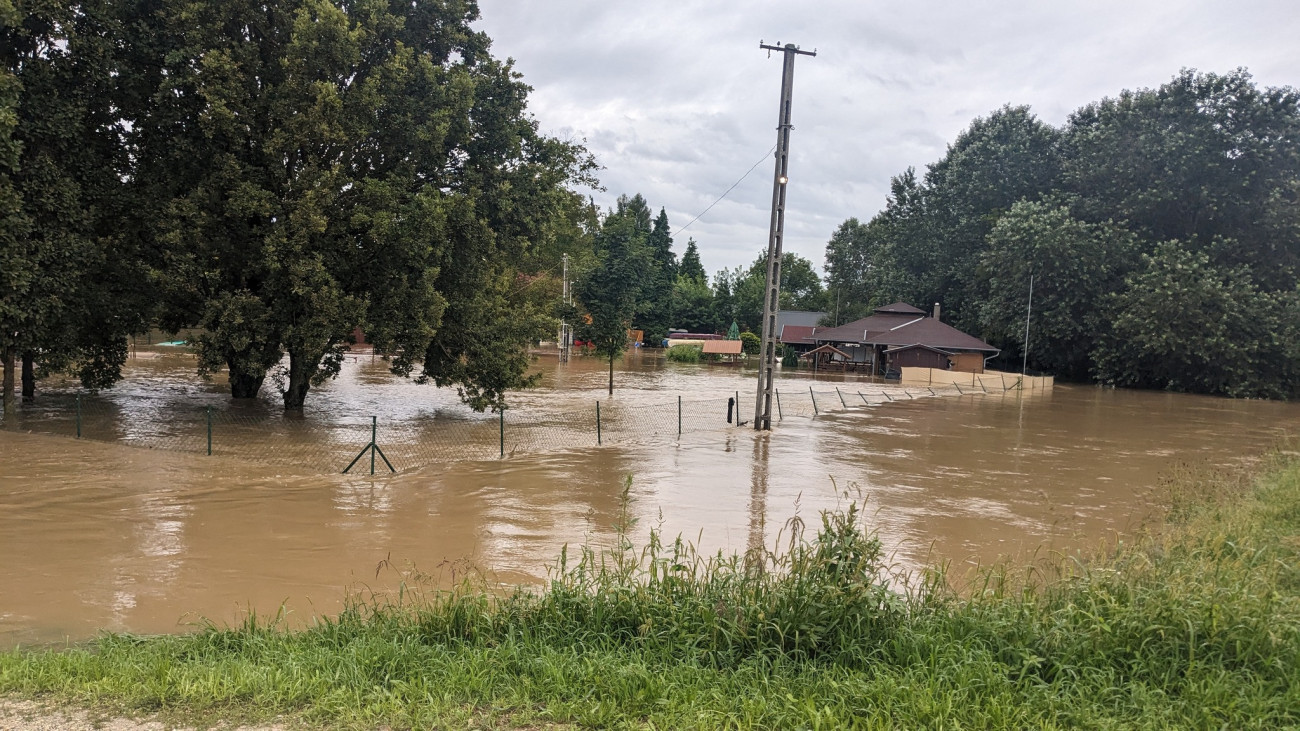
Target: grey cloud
676,100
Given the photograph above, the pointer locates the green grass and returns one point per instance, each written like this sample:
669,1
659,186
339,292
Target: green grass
1194,626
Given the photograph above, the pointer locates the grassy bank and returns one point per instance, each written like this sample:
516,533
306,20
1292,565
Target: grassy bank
1196,626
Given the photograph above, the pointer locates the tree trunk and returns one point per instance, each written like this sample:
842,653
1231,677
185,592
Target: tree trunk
29,376
611,375
300,371
8,387
244,385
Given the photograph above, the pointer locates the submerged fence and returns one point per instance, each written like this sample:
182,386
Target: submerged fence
371,443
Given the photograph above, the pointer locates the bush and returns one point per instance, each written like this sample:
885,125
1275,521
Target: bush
684,354
750,343
789,357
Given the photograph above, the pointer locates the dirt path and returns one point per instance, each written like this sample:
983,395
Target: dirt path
19,715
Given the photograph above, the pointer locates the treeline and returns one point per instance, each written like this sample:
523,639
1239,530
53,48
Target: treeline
632,278
1161,229
660,292
274,174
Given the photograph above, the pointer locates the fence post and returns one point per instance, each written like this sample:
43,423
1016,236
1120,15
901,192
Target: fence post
209,431
778,406
374,429
837,393
598,441
502,420
78,416
679,415
814,400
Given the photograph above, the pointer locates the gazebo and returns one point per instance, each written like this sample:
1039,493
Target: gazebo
825,356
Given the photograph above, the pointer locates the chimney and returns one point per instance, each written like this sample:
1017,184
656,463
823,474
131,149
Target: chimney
936,310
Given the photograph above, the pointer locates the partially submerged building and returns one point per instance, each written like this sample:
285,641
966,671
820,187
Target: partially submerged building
795,328
899,335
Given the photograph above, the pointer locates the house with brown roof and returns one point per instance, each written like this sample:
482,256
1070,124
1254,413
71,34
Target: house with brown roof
898,335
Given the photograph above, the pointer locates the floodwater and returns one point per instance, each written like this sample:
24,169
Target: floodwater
102,534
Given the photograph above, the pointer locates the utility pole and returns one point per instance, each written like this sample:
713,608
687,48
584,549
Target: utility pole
566,333
1028,311
771,300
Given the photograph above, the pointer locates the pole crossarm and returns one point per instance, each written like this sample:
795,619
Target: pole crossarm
772,292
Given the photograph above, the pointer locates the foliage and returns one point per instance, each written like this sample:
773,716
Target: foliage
656,313
691,268
693,305
1183,324
751,344
789,357
1211,162
348,165
612,290
1075,266
72,286
683,354
1196,626
801,289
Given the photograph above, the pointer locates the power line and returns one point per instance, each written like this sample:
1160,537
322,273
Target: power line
728,190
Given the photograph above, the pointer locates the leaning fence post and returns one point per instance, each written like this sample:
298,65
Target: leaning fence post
598,442
502,420
78,416
679,415
778,406
209,431
814,400
837,393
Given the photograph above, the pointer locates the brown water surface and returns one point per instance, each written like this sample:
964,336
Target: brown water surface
101,535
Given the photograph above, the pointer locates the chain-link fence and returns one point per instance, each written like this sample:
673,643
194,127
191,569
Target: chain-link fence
329,442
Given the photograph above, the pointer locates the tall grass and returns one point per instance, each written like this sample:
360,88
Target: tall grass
1194,626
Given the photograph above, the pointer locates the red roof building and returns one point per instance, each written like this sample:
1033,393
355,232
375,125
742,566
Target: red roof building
892,335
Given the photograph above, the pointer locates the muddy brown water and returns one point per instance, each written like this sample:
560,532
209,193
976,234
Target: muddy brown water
101,535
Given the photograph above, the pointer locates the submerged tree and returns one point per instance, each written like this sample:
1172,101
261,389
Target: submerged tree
72,287
324,166
612,290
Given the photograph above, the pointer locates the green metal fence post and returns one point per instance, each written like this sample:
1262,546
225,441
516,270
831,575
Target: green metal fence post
778,405
78,416
598,442
814,400
209,431
837,393
679,416
374,429
502,420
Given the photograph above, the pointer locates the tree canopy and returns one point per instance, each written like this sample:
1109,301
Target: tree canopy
1161,228
275,175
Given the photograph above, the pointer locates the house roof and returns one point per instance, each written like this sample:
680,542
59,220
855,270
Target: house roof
856,331
798,317
722,347
900,325
796,335
899,308
931,333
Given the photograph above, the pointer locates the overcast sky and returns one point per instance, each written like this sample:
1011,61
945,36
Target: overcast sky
676,100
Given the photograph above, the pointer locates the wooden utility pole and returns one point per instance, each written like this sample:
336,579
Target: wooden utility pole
772,293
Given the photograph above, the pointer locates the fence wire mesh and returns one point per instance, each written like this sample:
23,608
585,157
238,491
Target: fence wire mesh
330,442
